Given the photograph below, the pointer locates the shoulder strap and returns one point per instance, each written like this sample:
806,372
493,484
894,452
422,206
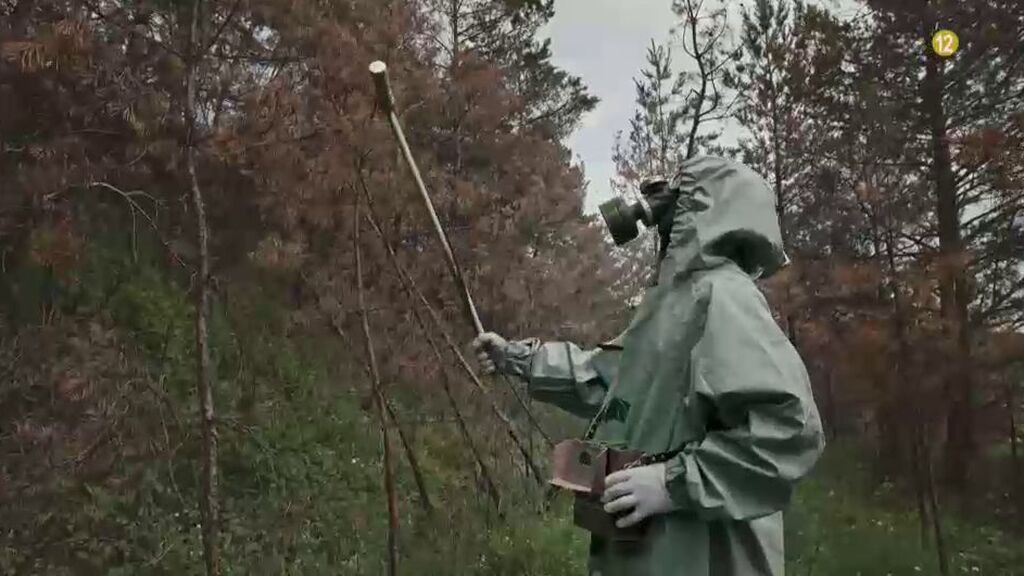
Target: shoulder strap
596,420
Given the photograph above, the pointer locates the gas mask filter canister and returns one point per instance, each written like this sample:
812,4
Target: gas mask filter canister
621,217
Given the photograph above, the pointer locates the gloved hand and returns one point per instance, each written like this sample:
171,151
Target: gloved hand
641,489
490,351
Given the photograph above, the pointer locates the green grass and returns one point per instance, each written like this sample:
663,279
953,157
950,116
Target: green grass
836,527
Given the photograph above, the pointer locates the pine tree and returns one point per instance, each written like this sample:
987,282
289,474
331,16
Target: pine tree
949,102
656,142
506,33
676,112
767,103
703,34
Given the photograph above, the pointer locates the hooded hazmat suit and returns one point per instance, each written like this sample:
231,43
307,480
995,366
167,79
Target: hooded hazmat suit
702,368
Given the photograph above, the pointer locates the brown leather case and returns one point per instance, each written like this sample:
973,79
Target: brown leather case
581,467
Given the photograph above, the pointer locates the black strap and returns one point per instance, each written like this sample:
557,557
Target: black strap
659,458
608,397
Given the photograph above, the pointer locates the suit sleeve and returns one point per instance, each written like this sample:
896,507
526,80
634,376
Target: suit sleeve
768,433
561,374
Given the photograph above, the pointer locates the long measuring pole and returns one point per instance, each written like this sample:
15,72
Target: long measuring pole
386,100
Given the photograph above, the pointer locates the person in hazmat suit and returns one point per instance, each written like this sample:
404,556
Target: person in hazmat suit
703,377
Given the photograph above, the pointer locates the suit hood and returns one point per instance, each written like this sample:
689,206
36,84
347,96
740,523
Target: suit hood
724,212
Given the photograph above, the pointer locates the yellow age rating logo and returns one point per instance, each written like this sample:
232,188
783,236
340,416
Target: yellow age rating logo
945,43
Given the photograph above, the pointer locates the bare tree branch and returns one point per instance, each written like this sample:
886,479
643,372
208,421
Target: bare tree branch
410,454
413,291
378,395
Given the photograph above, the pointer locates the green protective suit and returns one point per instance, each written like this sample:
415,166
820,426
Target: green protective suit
702,368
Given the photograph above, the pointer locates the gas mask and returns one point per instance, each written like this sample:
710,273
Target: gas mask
657,200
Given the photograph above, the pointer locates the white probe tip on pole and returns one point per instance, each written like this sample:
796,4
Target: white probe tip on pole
385,98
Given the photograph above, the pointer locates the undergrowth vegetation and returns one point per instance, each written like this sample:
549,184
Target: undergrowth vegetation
300,458
842,524
301,473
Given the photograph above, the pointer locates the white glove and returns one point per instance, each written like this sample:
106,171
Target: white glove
490,351
641,489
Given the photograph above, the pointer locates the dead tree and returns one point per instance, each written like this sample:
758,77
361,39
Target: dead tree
209,506
378,397
403,436
417,297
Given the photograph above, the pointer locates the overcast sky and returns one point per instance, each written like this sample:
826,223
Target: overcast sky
605,42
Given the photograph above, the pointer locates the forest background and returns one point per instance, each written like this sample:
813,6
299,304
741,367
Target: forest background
228,343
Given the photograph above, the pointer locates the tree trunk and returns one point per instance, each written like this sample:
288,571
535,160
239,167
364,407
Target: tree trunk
892,390
919,485
830,405
450,342
1016,480
378,395
410,456
410,453
209,507
530,418
940,541
778,170
485,473
702,94
953,284
909,395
